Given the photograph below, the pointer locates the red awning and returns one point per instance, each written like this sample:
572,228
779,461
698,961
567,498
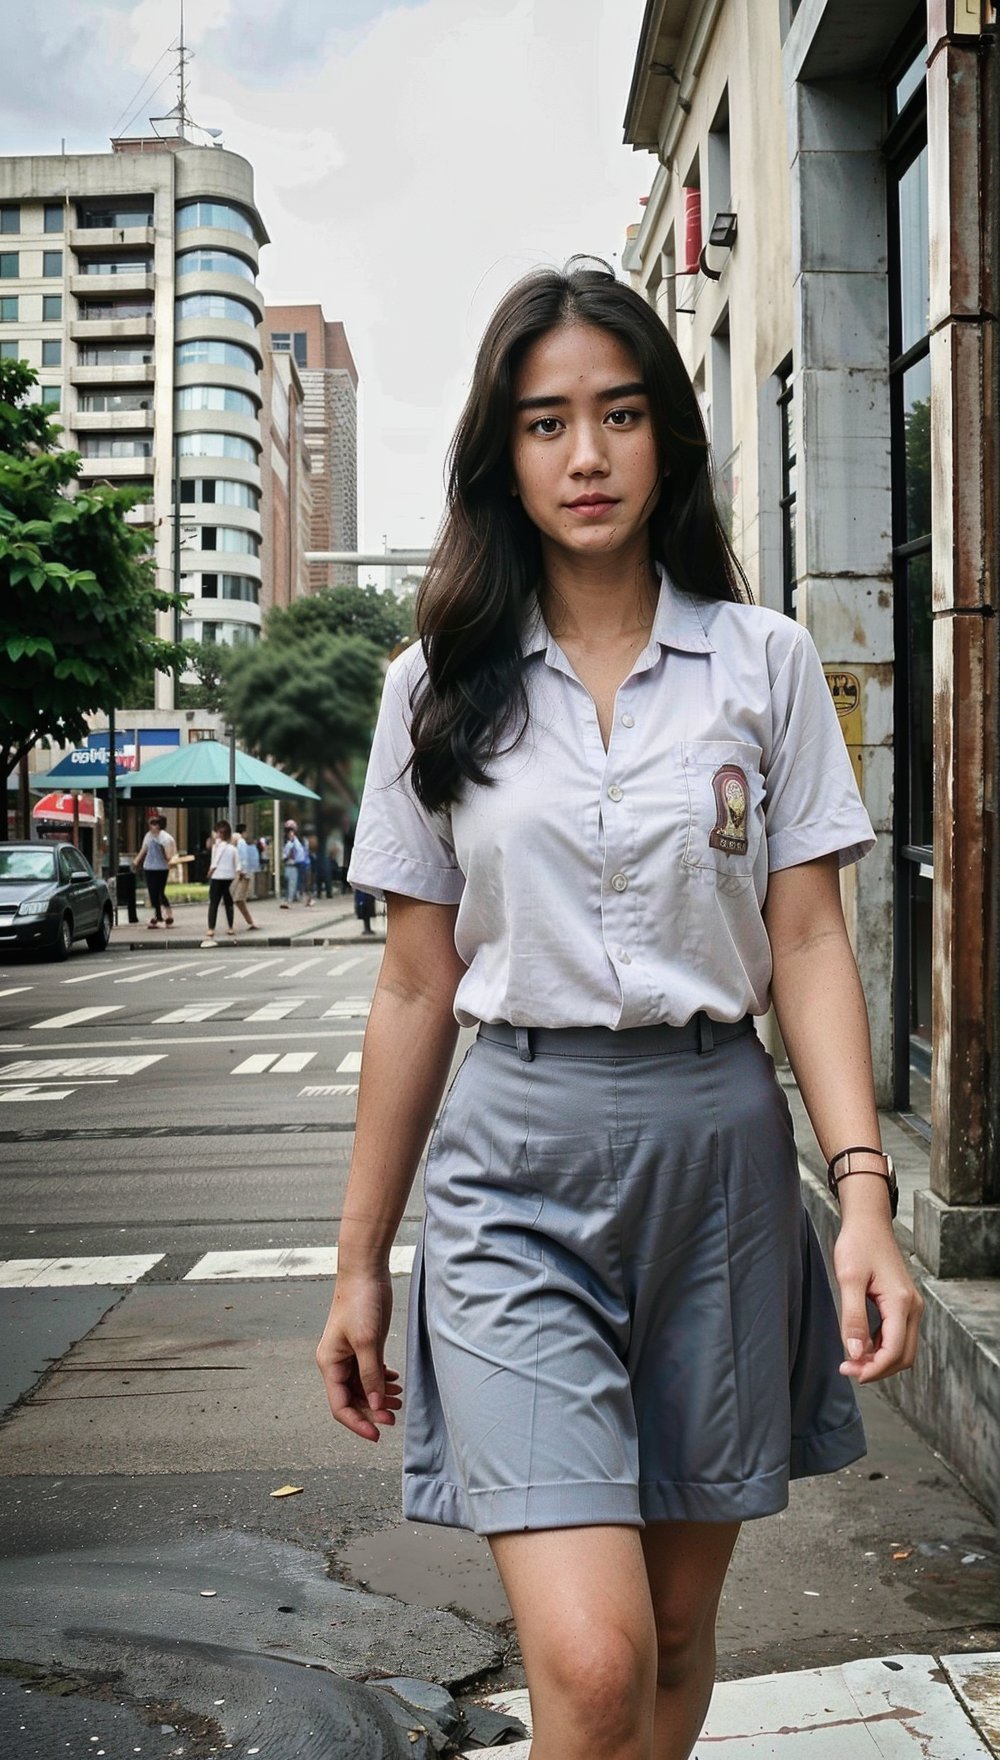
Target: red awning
58,809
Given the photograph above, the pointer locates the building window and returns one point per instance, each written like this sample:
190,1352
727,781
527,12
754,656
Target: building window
8,308
219,354
216,446
116,266
114,219
216,397
9,265
299,345
113,354
910,407
10,217
214,262
51,308
10,351
220,490
53,217
51,396
281,341
231,538
115,446
218,215
52,353
52,262
94,402
215,305
107,311
786,501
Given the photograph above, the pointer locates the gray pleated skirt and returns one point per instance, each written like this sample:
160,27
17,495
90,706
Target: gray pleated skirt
619,1310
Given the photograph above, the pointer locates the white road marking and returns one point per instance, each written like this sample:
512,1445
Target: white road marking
104,972
50,1273
351,1008
191,1011
350,1065
75,1018
332,1088
176,965
36,1094
303,966
255,1038
52,1068
276,1011
345,965
284,1262
290,1064
256,1065
255,966
18,990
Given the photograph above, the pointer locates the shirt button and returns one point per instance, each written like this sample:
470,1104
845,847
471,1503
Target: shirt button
628,720
618,883
614,792
625,958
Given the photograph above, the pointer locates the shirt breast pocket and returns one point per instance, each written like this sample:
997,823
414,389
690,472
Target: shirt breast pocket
725,791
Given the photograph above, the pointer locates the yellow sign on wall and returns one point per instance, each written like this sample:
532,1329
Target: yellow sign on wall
845,689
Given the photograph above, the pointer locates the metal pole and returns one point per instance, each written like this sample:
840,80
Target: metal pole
24,799
231,815
112,809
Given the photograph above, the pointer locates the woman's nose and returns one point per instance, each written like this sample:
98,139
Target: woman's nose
588,456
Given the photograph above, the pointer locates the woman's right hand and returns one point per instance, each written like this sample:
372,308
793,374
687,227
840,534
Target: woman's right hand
363,1393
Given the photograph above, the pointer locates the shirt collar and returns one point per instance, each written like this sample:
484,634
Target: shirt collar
677,623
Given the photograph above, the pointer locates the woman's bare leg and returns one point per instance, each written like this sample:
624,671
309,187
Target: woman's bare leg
686,1564
581,1603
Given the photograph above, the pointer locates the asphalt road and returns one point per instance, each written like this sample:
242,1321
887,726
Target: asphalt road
175,1132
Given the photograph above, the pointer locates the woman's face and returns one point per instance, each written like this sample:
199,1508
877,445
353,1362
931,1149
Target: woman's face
583,453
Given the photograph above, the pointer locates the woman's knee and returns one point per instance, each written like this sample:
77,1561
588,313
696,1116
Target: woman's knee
606,1673
683,1653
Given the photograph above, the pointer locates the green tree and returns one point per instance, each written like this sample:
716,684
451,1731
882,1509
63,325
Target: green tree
309,705
382,618
207,660
77,593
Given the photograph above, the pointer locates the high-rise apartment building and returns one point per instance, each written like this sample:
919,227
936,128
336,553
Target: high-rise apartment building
286,468
128,279
321,352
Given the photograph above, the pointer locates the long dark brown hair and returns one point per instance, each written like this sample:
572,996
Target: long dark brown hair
486,565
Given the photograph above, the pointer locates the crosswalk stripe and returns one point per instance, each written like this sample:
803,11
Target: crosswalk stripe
276,1011
351,1008
75,1017
254,966
104,972
50,1069
35,1093
53,1273
328,1090
345,966
350,1065
303,966
18,990
176,965
255,1065
292,1062
191,1011
284,1262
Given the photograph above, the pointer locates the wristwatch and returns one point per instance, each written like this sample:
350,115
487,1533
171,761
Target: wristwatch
833,1178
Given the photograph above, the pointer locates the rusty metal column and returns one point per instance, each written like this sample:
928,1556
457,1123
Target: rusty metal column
957,1223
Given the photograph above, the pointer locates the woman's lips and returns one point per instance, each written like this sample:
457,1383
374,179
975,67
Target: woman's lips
591,509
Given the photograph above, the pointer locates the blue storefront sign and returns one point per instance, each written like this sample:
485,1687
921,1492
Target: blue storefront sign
89,762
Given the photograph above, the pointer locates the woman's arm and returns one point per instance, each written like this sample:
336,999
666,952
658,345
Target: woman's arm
821,1011
408,1047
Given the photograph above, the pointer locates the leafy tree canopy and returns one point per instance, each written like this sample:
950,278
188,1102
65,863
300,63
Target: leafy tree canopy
382,618
207,661
77,593
307,704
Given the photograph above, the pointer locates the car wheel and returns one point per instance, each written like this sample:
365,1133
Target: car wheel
64,940
100,938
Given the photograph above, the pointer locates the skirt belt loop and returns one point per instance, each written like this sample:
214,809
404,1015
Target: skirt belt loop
706,1041
523,1041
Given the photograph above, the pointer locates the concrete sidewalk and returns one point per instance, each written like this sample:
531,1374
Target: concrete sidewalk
886,1707
327,922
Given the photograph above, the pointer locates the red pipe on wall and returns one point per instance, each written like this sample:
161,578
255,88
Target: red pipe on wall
692,229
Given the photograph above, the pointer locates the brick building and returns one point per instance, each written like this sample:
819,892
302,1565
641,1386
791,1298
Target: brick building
322,355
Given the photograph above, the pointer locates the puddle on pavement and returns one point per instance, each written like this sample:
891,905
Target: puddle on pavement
430,1567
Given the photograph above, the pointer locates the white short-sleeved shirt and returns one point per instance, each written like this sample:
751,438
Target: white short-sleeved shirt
623,888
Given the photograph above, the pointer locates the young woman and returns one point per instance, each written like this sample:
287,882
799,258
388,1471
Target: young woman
607,803
223,868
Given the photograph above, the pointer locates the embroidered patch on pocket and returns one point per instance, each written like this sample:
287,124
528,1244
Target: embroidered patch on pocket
732,802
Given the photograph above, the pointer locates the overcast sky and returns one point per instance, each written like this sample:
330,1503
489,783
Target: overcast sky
412,157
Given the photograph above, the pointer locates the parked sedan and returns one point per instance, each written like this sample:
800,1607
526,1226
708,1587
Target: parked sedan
51,897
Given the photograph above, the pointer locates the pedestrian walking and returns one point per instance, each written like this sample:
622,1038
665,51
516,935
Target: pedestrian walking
607,802
240,889
156,853
223,869
292,856
364,908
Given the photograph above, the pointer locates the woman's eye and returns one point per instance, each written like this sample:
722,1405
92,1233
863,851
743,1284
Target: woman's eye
621,418
545,425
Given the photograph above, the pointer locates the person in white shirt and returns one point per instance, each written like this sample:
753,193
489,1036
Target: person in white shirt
156,853
223,869
240,889
607,802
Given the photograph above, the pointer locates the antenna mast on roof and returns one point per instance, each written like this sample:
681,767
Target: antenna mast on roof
179,113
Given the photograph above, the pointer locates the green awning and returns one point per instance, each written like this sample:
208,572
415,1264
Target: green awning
198,775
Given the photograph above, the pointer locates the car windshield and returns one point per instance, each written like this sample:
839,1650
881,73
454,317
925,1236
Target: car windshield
27,864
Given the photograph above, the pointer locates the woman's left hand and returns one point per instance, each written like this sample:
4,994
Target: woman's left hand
869,1264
